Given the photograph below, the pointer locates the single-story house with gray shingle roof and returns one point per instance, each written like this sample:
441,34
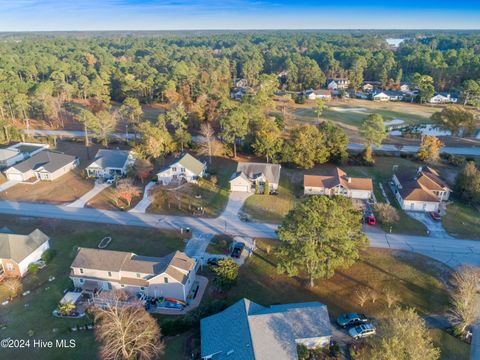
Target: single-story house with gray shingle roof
169,276
19,251
15,153
187,167
248,331
45,165
110,163
248,174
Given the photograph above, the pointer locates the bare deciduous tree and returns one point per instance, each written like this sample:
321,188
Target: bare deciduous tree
126,330
374,295
387,214
391,297
12,287
362,294
126,190
465,310
210,145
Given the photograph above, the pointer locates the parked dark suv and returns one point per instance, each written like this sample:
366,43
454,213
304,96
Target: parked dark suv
237,250
351,319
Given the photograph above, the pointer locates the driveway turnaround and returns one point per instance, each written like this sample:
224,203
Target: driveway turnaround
453,252
435,228
97,189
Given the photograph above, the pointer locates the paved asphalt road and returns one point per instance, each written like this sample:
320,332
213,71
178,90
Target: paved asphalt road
452,252
469,151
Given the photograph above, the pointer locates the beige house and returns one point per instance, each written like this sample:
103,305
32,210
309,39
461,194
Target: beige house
420,191
46,165
19,251
338,183
248,174
102,270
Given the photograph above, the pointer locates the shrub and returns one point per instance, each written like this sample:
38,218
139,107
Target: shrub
48,255
33,268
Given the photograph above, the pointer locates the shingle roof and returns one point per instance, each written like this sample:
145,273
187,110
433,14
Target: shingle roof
18,247
339,177
8,153
420,186
49,160
249,331
115,261
254,170
192,164
106,158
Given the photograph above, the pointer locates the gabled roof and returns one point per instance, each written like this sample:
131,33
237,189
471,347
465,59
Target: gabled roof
105,158
254,170
18,247
339,177
8,153
247,330
48,160
191,163
173,264
420,186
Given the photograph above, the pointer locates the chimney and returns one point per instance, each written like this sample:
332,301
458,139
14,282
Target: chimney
349,179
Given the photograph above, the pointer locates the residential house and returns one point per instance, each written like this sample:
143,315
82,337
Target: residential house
46,165
318,94
370,86
19,251
420,191
110,163
442,98
14,154
388,95
338,84
171,276
249,174
186,168
381,96
338,183
404,88
249,331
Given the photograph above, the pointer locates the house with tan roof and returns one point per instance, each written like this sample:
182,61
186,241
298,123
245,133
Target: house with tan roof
170,276
18,251
420,191
338,183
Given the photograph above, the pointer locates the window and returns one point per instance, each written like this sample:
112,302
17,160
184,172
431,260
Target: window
142,288
110,273
165,280
174,169
9,266
121,285
182,169
81,271
138,275
81,281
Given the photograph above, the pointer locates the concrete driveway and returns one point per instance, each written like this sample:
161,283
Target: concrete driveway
97,189
435,227
235,203
146,200
8,184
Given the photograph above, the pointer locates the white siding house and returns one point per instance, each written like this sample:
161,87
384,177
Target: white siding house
110,163
186,168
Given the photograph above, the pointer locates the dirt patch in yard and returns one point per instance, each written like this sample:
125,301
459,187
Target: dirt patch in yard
106,199
65,189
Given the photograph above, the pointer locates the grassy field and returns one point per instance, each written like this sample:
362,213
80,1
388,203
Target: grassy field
462,221
33,312
354,111
451,347
207,194
415,278
220,244
273,208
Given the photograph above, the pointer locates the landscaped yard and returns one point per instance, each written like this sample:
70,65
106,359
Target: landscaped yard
207,198
106,200
273,208
462,221
30,317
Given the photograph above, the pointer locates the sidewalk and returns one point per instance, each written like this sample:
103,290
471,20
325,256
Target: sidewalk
147,199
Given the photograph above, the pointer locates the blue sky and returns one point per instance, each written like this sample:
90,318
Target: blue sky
26,15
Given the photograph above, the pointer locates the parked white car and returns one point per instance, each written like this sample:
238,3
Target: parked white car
362,331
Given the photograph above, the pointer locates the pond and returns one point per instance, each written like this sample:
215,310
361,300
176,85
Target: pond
427,129
394,42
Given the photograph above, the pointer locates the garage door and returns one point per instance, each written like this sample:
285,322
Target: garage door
243,188
15,177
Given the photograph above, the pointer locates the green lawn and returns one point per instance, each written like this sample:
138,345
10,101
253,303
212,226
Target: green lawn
208,194
411,114
462,221
33,312
451,347
273,208
415,278
220,244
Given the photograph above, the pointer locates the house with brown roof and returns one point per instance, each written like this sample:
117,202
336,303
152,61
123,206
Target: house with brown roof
338,183
170,276
18,251
420,191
